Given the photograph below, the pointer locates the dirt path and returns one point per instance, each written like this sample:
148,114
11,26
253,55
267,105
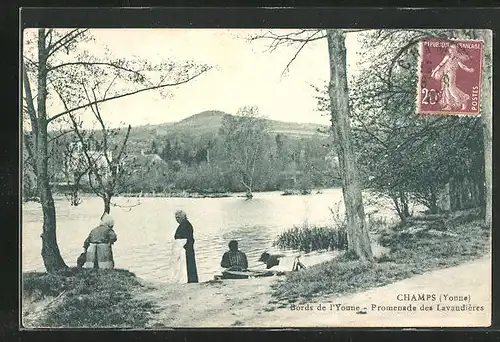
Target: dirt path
246,303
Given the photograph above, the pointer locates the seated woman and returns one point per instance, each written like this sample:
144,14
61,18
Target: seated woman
98,245
234,260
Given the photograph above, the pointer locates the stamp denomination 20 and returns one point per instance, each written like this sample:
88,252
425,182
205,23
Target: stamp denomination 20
450,77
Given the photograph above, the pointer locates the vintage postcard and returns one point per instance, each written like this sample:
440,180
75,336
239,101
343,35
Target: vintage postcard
265,178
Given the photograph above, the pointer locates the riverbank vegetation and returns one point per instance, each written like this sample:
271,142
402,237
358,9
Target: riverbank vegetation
173,158
309,238
78,298
418,245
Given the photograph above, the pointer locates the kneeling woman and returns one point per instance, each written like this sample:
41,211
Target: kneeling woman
98,245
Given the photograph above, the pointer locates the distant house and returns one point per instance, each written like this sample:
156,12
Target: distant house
332,158
135,162
152,157
78,161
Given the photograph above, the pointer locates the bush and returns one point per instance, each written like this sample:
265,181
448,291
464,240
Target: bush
313,238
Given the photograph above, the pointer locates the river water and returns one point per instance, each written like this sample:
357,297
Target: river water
145,231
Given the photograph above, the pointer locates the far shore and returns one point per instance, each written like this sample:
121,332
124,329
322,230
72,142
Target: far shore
190,194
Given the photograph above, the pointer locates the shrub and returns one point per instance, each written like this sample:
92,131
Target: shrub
313,238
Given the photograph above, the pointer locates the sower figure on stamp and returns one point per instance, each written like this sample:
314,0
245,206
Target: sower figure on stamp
446,71
184,236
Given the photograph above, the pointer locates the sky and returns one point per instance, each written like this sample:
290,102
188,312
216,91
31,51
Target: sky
245,74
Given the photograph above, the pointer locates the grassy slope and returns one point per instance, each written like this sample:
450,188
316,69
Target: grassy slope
207,124
409,254
92,298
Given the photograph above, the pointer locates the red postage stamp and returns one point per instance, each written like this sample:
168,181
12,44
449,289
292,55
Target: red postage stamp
449,80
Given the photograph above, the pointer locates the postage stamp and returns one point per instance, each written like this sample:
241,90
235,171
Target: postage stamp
196,182
450,77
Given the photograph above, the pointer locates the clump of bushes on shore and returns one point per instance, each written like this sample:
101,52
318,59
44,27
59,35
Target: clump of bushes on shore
90,298
312,238
414,248
308,238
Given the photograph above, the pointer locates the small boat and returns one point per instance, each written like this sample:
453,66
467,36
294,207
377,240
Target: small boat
248,274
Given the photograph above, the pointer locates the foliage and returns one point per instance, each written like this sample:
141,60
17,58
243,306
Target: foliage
406,153
406,156
312,238
243,137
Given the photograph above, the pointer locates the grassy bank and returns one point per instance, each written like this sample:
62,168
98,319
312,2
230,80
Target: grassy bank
83,298
419,245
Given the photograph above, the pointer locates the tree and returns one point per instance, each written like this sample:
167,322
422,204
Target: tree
29,190
358,241
51,62
75,168
400,154
358,238
419,160
244,137
105,161
486,113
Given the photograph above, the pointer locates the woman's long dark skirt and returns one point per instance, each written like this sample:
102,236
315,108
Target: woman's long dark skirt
192,272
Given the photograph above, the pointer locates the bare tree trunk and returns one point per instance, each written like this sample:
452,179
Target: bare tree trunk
433,207
248,194
481,191
106,198
404,204
453,195
401,204
357,232
50,251
486,114
395,200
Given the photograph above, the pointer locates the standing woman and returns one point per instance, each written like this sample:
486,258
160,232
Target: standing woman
184,234
97,245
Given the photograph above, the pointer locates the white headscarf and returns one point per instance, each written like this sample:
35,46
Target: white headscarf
107,220
181,214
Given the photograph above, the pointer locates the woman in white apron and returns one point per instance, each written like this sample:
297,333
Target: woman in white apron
178,272
183,261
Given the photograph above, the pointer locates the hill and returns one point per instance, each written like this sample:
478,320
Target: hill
211,121
201,126
208,123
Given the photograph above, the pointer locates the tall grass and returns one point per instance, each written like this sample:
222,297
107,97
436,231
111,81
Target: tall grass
312,238
308,238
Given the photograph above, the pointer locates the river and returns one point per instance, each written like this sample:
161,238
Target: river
145,231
